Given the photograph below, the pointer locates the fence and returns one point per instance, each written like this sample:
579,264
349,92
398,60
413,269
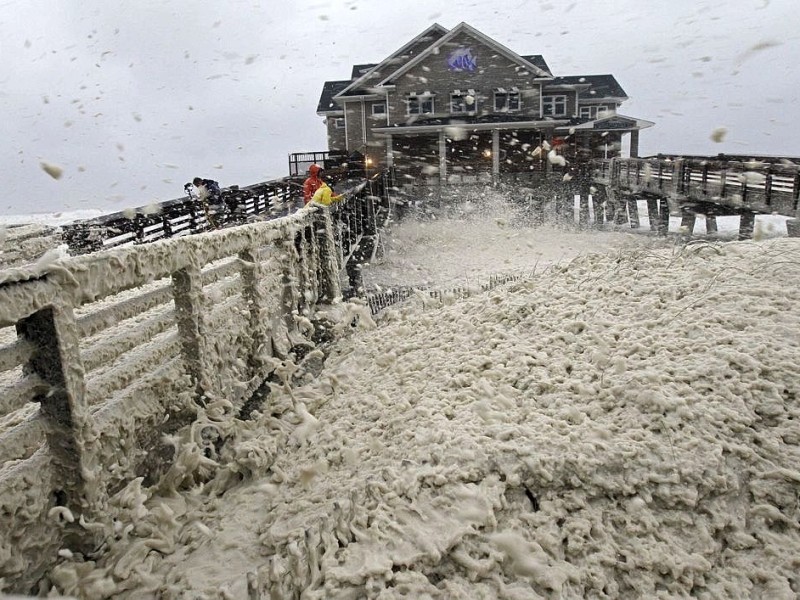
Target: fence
181,216
103,354
765,186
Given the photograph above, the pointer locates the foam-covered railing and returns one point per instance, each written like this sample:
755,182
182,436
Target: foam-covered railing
104,354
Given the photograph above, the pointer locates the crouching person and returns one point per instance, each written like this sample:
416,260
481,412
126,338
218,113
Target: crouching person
325,196
210,195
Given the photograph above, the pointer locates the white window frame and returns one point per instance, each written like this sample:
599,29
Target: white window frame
338,123
553,101
508,97
463,108
593,112
381,106
420,100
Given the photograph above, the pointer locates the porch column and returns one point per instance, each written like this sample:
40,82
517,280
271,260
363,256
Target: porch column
389,154
635,143
495,155
442,157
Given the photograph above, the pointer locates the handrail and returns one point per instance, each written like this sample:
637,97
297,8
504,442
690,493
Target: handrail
115,346
768,186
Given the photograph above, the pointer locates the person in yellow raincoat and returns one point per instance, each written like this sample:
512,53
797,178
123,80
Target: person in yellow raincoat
325,196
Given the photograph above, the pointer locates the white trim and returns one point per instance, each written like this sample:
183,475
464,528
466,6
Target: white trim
554,98
463,27
638,123
433,28
545,124
595,111
508,93
379,105
468,109
421,99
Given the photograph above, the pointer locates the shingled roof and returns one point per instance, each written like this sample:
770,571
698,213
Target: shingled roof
359,70
537,60
329,90
600,86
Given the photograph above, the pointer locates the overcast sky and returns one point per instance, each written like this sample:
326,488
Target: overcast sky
133,99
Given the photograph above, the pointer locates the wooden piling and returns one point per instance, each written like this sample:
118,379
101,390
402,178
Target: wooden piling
747,225
633,212
688,219
652,213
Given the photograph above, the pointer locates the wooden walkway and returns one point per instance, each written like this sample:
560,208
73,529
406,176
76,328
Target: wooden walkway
711,187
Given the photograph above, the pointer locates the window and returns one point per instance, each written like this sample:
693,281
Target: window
554,106
593,112
506,100
420,104
462,102
379,109
338,123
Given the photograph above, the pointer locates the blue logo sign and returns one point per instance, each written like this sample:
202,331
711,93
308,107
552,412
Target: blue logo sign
462,60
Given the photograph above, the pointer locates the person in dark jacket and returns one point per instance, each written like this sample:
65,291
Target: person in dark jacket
210,195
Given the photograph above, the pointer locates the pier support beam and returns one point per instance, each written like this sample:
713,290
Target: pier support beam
747,225
633,212
652,213
663,225
599,210
711,224
688,219
583,211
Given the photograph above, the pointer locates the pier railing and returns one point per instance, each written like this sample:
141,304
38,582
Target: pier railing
761,186
102,355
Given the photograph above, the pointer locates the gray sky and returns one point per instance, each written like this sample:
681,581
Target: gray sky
133,99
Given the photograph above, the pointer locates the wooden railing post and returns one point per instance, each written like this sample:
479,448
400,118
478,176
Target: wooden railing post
256,303
328,266
56,360
679,176
187,290
768,187
796,190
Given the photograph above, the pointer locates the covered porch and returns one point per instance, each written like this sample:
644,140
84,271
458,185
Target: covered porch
459,152
465,153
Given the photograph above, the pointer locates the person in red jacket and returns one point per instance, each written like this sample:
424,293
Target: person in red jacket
312,183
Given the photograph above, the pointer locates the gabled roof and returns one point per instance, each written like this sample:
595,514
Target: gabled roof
600,86
462,28
359,70
538,60
329,90
430,33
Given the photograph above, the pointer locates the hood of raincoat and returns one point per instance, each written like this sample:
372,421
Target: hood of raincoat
314,170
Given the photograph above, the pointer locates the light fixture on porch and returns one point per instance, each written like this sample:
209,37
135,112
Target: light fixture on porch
487,153
368,161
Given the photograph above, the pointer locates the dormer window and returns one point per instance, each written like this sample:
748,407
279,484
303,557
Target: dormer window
506,100
378,109
463,102
420,104
554,106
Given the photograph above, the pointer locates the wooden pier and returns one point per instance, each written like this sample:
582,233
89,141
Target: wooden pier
686,187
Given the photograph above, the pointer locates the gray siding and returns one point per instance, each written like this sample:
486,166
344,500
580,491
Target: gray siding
493,71
335,136
355,131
